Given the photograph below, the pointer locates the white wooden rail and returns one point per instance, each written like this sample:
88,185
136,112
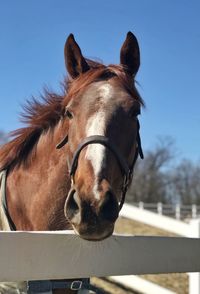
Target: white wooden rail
177,211
59,255
153,219
191,229
147,286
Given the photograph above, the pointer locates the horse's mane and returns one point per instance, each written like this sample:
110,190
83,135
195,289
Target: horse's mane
43,114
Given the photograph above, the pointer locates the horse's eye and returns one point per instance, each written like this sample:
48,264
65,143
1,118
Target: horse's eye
68,114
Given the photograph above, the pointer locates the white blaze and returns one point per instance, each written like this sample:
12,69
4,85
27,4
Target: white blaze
96,125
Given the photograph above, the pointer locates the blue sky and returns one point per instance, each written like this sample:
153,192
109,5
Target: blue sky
33,33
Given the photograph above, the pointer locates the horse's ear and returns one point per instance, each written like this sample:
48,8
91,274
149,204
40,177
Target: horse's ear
130,54
74,60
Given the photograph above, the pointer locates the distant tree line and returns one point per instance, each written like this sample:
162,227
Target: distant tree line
159,178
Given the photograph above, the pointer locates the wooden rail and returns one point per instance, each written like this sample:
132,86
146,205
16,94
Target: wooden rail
59,255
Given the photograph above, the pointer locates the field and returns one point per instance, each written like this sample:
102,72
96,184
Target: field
174,282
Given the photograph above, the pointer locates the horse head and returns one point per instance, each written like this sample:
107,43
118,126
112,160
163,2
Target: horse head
102,137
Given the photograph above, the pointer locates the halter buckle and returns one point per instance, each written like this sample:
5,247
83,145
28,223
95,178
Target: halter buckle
76,285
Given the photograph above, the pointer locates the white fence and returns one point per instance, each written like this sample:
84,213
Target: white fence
141,285
191,229
166,223
177,211
61,255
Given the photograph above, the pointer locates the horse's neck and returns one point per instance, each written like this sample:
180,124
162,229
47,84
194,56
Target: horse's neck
15,287
37,192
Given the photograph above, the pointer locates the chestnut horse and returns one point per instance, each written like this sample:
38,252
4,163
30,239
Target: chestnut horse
71,165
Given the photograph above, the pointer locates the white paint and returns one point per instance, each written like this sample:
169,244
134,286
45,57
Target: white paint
194,278
96,125
166,223
138,252
63,255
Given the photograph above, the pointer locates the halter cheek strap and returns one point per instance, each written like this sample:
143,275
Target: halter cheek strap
139,144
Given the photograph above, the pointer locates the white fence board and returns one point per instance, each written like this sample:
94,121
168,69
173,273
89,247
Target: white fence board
177,211
59,255
156,220
138,284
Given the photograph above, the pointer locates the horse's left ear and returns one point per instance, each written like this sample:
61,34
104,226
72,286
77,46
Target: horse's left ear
130,54
74,60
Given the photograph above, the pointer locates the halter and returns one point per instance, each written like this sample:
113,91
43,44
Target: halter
126,170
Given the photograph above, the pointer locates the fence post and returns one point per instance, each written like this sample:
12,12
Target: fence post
159,208
178,211
141,205
194,278
194,211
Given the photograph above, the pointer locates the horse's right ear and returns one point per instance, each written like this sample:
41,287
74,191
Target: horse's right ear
74,60
130,54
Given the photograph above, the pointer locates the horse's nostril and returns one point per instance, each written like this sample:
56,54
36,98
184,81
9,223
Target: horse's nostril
72,206
109,208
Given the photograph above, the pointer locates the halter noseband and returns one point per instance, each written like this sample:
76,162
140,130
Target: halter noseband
126,170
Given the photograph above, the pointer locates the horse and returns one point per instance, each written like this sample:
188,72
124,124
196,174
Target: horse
72,163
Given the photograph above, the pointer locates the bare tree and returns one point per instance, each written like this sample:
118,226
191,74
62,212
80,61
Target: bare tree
151,175
156,180
186,182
